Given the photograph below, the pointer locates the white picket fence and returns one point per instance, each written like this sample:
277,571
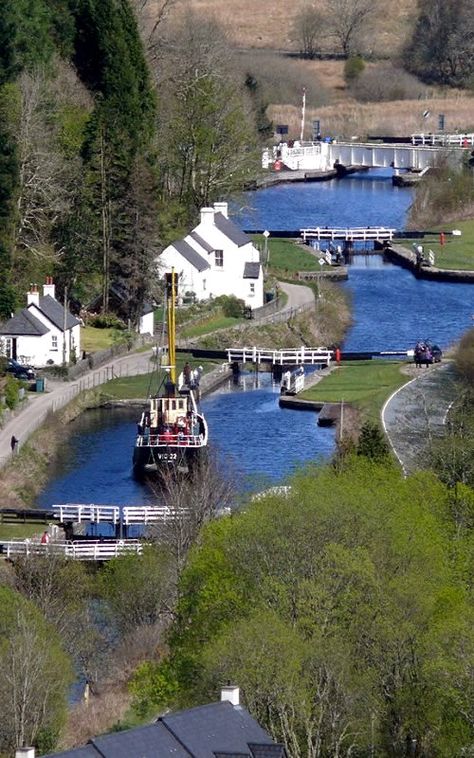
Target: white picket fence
82,550
359,233
114,514
294,357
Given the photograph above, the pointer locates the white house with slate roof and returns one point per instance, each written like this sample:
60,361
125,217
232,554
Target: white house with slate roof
216,258
43,332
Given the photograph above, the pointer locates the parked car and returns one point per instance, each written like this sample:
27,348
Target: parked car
25,373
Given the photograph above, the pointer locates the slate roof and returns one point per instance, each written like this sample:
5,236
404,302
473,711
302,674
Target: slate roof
24,324
208,731
54,311
251,270
227,227
202,242
190,254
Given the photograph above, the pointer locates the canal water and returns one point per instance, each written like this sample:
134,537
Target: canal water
259,442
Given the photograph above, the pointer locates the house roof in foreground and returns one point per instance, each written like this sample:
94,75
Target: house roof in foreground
231,230
190,254
218,729
24,324
252,270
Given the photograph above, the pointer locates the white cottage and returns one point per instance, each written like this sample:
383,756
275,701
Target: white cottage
216,258
43,332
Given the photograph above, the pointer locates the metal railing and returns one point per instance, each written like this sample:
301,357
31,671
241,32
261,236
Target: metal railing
82,550
443,140
365,234
296,357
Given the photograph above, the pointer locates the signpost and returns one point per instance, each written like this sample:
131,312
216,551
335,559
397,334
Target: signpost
266,252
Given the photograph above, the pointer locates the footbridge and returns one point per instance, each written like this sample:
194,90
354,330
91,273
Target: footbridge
324,156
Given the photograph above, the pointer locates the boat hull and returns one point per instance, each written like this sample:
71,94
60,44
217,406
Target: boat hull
166,459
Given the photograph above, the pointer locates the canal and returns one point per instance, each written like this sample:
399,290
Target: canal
260,443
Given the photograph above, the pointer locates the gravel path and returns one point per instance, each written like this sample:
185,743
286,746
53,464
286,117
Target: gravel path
298,295
416,413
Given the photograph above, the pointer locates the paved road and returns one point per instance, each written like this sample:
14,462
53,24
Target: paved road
416,413
298,295
34,411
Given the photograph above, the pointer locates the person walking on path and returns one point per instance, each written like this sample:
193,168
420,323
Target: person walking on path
14,444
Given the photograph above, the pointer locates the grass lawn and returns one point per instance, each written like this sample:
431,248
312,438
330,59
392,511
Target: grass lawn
364,384
93,339
139,386
20,531
210,324
286,256
457,252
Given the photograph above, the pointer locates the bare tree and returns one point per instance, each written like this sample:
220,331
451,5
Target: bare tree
349,21
193,501
151,14
307,29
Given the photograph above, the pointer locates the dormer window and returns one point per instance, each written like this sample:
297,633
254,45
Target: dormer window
219,258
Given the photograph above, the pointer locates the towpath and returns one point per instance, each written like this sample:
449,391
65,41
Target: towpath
298,296
416,413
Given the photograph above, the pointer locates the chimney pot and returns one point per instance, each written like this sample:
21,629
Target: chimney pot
32,297
230,693
49,288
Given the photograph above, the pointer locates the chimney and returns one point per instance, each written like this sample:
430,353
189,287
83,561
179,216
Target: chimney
222,208
49,288
207,215
32,297
230,693
25,752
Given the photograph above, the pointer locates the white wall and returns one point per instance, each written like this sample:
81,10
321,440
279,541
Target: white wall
146,324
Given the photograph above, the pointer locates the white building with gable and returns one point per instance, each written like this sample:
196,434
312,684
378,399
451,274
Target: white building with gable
43,332
216,258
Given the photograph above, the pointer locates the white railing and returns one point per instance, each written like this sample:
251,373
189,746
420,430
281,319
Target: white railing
79,512
442,140
297,357
366,234
151,514
159,440
82,550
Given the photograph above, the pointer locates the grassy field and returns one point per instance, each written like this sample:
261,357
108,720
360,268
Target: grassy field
140,386
285,256
211,324
20,531
364,384
457,252
93,339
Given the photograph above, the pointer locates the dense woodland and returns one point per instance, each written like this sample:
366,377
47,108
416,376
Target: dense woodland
343,609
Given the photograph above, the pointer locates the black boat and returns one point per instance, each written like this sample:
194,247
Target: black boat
172,431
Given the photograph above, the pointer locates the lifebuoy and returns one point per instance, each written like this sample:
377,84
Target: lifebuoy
181,421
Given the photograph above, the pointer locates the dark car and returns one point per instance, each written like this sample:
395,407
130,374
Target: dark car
25,373
436,353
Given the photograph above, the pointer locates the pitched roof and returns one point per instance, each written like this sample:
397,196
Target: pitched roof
231,230
202,242
54,311
24,324
191,255
218,729
251,270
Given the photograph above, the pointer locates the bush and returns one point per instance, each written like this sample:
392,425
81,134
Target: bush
106,321
383,83
353,68
11,392
231,306
464,358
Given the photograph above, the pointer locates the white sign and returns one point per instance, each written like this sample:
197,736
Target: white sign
328,257
321,261
431,257
266,233
456,232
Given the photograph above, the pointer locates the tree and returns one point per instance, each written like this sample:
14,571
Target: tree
442,44
348,21
307,29
207,125
372,442
35,675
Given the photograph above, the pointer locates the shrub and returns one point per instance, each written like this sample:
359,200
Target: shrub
231,306
464,358
106,321
11,392
382,83
353,68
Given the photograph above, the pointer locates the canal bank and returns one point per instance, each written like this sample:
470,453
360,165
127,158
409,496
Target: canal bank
402,256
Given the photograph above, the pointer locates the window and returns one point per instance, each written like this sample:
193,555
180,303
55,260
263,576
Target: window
54,342
8,348
252,288
219,258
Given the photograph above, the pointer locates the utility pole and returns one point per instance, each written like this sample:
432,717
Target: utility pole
303,112
64,326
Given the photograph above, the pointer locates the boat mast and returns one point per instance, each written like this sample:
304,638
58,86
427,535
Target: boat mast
171,323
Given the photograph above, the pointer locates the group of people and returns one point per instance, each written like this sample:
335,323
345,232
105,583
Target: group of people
423,354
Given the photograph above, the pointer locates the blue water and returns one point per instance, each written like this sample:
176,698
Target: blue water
259,442
366,199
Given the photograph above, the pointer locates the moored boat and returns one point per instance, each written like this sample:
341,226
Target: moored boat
172,431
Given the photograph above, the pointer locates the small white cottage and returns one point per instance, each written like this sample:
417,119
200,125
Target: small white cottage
43,332
216,258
